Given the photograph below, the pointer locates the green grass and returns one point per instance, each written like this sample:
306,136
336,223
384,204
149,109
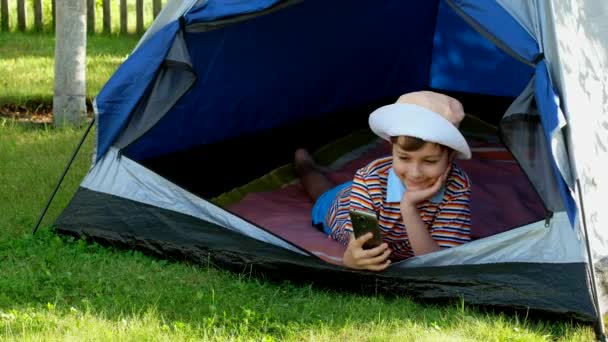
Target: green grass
27,63
56,288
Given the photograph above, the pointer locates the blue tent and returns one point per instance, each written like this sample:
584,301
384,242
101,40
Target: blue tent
215,75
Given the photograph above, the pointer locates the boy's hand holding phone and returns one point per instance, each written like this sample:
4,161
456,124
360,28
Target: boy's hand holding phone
374,259
365,250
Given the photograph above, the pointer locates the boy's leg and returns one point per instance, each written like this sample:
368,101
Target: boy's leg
315,182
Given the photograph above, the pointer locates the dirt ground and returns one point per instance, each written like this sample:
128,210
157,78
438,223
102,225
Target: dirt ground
38,114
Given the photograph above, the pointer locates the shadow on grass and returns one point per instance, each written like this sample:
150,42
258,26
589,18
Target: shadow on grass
15,45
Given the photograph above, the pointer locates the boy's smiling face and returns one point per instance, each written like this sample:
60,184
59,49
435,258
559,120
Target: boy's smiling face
421,168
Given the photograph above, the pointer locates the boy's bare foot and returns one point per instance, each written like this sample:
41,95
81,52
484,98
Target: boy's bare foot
303,162
311,174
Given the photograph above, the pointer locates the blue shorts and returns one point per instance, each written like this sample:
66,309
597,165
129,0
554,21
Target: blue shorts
322,205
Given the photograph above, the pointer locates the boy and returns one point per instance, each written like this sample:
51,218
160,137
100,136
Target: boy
420,197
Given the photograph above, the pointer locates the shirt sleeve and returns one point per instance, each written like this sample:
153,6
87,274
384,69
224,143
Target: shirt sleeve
360,199
452,224
360,196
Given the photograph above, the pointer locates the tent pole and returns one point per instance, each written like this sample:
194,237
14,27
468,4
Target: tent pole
65,171
600,330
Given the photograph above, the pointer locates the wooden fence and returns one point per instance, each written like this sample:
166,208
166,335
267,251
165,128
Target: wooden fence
43,8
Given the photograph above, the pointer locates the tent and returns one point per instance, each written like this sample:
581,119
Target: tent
219,93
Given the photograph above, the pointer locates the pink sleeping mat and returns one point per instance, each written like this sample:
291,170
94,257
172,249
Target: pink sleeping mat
502,199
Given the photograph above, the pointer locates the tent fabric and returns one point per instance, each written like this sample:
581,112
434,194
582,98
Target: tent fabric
174,78
553,242
526,13
500,24
212,10
462,59
580,78
257,107
171,11
556,288
119,176
309,66
553,121
121,94
493,18
521,130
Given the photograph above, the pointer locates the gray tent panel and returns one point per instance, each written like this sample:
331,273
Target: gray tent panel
523,134
173,80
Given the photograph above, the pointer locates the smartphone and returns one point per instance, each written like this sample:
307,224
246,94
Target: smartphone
364,222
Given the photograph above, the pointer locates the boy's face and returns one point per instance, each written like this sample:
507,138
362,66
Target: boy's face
421,168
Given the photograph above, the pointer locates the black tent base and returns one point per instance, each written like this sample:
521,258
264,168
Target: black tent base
557,291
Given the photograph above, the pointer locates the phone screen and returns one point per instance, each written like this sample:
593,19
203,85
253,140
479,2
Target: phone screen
364,222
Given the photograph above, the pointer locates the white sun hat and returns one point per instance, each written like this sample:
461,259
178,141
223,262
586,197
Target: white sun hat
411,116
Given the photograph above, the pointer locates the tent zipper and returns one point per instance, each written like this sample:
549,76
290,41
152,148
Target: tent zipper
548,218
220,23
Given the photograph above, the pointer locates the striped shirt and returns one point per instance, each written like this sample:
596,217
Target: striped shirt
448,218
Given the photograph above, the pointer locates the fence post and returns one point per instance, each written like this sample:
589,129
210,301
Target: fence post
139,10
38,15
107,16
21,15
4,14
156,6
91,16
124,21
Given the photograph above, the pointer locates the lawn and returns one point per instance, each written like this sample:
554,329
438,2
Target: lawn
56,288
27,65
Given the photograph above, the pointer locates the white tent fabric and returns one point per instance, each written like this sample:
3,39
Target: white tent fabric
172,10
581,30
535,242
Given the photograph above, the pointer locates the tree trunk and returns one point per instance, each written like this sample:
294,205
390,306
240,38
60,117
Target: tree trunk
124,28
38,15
91,16
4,14
139,10
53,13
156,6
107,16
21,15
69,100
